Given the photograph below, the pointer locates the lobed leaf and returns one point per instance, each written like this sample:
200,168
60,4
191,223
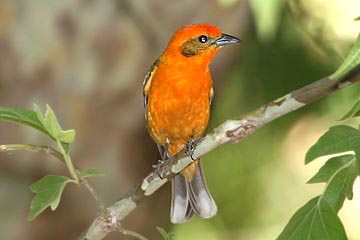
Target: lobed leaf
330,167
48,192
315,220
340,185
23,116
52,125
337,139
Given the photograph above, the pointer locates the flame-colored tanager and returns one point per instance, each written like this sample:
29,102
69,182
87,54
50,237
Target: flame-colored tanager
177,94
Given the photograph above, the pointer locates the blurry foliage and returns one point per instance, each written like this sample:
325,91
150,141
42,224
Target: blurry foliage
329,24
87,59
267,16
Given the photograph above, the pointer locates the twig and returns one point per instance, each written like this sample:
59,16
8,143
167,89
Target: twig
9,148
230,131
93,192
131,233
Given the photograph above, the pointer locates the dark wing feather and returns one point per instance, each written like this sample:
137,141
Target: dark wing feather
211,95
147,82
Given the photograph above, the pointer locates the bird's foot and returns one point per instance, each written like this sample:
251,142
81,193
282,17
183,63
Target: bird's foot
190,148
157,168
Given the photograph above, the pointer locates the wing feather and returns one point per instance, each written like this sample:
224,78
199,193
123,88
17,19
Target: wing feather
211,95
147,82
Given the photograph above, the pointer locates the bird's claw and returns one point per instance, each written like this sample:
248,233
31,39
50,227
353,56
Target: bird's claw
157,167
190,148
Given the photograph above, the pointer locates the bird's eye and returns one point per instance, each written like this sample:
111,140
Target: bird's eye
203,39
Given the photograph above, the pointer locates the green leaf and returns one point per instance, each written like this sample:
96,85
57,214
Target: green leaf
354,112
340,185
66,147
330,167
315,220
337,139
23,116
351,61
48,192
91,172
51,124
353,174
164,234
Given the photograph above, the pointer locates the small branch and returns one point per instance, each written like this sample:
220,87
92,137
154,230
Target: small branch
10,148
93,192
230,131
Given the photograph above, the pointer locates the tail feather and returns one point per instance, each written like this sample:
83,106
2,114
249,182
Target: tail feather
180,209
190,198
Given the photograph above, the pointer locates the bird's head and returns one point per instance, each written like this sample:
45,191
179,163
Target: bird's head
199,41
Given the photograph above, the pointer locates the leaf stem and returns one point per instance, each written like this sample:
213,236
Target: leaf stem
68,162
131,233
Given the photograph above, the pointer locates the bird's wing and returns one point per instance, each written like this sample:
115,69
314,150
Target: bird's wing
211,96
146,91
147,83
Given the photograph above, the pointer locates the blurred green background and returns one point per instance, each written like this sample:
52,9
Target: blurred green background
87,60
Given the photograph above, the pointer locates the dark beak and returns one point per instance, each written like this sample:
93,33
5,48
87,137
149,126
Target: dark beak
226,39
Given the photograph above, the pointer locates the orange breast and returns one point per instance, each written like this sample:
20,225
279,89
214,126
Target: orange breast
178,106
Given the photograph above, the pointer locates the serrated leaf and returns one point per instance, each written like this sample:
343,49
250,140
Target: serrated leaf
52,125
48,192
330,167
354,112
337,139
351,61
164,234
91,172
315,220
23,116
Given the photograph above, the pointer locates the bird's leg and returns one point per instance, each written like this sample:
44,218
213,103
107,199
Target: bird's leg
190,148
164,154
163,150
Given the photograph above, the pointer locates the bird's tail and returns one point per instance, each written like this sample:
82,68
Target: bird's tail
191,197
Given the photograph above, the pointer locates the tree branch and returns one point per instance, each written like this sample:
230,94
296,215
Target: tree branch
230,131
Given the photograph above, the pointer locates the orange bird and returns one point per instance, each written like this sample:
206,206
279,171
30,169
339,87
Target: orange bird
177,95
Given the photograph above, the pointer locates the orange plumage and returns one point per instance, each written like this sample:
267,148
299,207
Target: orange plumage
178,92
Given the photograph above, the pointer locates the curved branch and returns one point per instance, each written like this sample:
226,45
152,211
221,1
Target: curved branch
230,131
